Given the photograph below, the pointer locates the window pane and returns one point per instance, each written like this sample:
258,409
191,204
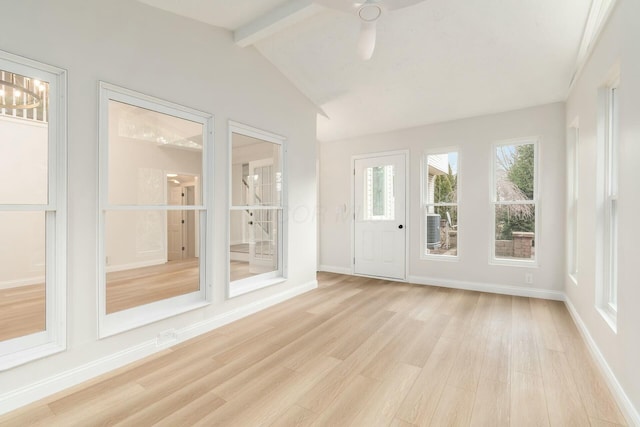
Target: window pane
441,231
442,178
23,139
22,274
147,150
514,172
256,172
515,231
150,256
379,193
254,242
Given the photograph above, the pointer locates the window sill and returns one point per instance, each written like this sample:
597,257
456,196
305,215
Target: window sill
445,258
25,356
513,263
574,279
241,287
123,321
610,318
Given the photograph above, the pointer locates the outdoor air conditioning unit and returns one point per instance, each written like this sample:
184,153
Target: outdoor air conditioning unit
433,231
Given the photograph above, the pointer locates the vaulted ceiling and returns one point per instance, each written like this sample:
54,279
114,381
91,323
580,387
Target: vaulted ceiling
435,61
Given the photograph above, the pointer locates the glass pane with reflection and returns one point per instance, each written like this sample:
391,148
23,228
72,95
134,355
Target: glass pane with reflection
256,172
150,256
254,242
379,198
149,150
24,139
22,274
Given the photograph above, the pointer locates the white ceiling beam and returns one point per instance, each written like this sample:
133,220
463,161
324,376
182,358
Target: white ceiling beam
275,20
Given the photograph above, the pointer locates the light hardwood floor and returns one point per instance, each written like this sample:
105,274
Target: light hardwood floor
360,352
22,309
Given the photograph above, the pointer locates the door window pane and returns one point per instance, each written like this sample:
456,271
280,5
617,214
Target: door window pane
379,193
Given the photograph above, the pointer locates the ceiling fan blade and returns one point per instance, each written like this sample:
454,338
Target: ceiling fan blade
367,41
348,6
399,4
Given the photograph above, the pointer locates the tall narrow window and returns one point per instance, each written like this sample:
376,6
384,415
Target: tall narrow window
154,209
256,222
32,210
574,177
609,298
514,202
440,186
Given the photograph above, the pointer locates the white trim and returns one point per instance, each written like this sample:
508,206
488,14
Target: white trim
596,22
10,284
514,290
131,266
335,269
244,286
624,403
53,384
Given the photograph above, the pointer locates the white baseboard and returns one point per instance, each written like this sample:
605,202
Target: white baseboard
9,284
629,411
519,291
334,269
132,265
56,383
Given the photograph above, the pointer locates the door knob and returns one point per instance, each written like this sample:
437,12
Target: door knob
401,226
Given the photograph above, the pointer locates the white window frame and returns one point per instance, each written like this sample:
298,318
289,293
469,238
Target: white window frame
573,191
20,350
114,323
260,281
606,299
493,260
424,198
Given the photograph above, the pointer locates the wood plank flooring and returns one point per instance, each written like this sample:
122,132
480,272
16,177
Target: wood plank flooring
358,352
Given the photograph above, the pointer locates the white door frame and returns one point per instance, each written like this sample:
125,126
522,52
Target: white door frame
405,153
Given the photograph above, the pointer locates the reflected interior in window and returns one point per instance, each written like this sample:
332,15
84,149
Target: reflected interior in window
155,162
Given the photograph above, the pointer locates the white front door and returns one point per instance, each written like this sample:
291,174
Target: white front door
380,221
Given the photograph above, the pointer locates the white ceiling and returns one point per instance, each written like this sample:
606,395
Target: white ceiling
436,61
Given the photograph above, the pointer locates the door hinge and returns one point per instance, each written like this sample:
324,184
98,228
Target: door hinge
354,171
182,194
183,221
183,248
354,260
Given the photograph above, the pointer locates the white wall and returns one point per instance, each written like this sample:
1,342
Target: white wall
474,138
132,45
618,42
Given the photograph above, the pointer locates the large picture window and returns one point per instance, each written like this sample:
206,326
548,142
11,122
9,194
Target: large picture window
514,202
154,209
32,210
440,184
256,222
